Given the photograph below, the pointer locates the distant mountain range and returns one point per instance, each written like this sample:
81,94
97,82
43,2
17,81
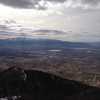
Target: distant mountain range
20,46
46,44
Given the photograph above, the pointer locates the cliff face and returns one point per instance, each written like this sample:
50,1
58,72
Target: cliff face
20,84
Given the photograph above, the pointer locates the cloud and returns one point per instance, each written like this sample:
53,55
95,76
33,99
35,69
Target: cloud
48,32
27,3
17,3
3,27
84,4
44,4
91,2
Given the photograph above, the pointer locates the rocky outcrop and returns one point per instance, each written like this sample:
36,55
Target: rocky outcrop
20,84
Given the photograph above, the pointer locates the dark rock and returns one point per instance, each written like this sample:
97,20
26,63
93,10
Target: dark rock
37,85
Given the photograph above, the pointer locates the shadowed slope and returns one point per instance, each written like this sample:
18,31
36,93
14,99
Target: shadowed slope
37,85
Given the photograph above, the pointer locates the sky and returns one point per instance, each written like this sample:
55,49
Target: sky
67,20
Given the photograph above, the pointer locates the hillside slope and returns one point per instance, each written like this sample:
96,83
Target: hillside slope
20,84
